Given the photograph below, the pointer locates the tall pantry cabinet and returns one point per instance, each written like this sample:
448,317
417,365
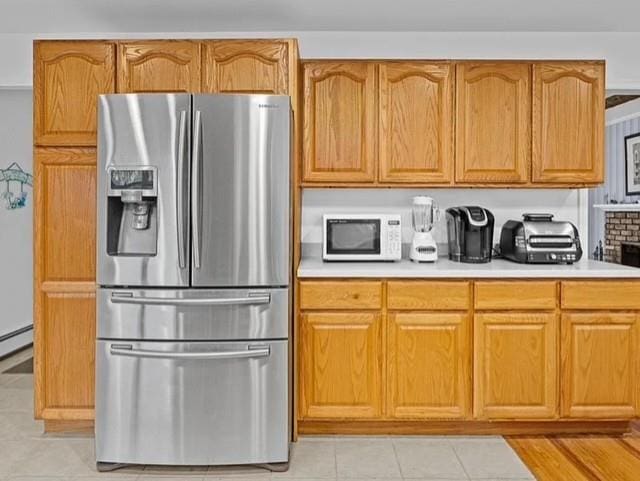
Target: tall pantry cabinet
68,77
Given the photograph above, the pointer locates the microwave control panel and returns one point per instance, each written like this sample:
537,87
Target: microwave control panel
394,238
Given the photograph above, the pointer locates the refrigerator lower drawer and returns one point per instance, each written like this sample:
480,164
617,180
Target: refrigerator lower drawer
192,403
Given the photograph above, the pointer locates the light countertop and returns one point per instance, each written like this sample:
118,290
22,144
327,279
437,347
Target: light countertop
444,268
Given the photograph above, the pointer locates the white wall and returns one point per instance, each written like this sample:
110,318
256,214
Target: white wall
618,49
16,239
505,204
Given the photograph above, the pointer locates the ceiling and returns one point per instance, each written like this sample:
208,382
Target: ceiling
75,16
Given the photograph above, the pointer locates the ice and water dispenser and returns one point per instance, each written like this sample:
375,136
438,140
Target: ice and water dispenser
132,211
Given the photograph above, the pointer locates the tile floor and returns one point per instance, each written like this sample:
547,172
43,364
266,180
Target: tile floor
27,454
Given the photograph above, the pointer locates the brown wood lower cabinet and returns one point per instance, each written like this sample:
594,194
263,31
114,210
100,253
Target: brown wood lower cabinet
515,365
66,360
64,283
429,365
600,365
499,356
342,359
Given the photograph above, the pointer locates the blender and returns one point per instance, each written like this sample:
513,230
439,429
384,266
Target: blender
424,214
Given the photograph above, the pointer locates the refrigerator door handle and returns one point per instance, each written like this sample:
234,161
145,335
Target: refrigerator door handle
251,300
195,188
128,351
180,190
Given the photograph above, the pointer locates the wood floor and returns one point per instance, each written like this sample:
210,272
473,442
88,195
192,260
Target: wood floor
580,458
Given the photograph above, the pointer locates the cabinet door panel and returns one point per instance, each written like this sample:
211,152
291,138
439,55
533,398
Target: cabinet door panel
66,214
159,66
68,349
68,78
245,66
416,124
600,365
568,122
339,132
493,122
515,365
342,369
428,365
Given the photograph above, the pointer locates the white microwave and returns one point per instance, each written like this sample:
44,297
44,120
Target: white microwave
361,237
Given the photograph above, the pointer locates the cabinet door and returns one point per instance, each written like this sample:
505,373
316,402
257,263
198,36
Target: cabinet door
68,77
428,365
65,365
568,122
64,283
515,363
65,214
159,66
245,66
416,122
493,122
339,133
341,358
600,365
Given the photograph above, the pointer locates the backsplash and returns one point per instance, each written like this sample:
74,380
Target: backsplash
505,204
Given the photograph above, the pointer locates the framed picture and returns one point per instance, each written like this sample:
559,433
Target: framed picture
632,163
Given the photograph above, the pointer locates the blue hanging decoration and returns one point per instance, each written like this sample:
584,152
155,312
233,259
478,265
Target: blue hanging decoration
15,178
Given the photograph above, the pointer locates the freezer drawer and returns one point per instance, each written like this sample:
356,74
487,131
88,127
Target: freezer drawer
198,403
193,314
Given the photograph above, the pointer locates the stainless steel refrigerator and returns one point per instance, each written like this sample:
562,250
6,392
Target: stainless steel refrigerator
193,258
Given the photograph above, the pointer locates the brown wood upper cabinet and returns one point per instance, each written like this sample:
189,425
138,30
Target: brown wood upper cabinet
159,66
69,76
568,122
339,133
493,122
245,66
415,121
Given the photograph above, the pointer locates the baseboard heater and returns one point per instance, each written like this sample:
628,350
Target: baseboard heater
10,342
15,333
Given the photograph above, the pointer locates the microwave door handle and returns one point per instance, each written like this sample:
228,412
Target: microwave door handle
196,206
251,300
180,189
128,351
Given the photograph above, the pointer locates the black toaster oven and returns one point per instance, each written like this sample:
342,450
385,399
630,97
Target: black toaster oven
538,239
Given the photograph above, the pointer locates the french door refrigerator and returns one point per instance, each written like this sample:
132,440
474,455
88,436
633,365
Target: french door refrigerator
193,268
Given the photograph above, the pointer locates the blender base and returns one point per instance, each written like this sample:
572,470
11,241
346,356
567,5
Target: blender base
423,248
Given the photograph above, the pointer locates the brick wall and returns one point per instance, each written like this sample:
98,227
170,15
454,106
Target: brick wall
620,227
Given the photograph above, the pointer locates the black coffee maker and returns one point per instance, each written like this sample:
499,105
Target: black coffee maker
470,234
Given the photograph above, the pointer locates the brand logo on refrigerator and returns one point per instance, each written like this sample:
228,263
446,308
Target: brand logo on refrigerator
268,106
